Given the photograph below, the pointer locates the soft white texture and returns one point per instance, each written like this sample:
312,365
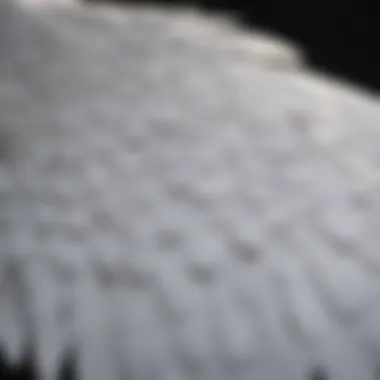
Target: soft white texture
174,209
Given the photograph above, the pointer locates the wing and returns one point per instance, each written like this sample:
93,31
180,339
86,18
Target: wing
181,201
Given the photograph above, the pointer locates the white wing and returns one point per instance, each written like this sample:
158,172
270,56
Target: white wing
181,202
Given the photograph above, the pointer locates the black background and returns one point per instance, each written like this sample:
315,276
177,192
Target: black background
341,37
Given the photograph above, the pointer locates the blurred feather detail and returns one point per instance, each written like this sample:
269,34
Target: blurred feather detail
180,199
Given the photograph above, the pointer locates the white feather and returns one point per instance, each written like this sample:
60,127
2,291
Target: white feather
182,201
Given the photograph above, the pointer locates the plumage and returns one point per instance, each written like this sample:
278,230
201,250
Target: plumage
182,200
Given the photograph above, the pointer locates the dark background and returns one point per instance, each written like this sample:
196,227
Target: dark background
341,37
